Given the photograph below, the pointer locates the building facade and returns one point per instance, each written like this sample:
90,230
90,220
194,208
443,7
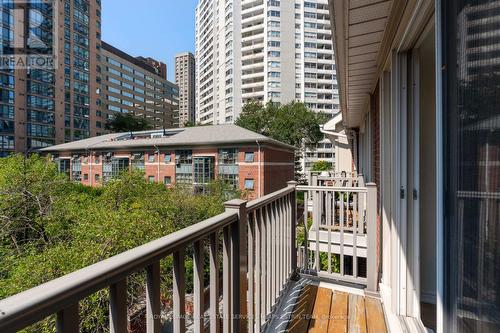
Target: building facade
194,156
218,58
41,107
279,51
185,79
132,85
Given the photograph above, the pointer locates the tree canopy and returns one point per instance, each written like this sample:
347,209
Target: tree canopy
321,166
50,226
290,123
127,122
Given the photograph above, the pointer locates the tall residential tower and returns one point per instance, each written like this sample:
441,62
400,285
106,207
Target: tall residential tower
42,107
278,51
185,80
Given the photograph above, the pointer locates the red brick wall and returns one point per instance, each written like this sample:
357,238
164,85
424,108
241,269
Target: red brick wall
279,169
276,169
251,171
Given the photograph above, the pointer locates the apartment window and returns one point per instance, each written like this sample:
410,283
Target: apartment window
85,176
112,167
249,157
97,177
168,158
151,179
249,184
204,172
167,180
184,166
76,169
137,161
228,166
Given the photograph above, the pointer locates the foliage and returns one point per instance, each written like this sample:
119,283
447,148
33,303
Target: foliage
127,122
335,262
291,123
321,166
51,226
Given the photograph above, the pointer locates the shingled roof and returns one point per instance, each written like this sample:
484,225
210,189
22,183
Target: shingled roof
176,137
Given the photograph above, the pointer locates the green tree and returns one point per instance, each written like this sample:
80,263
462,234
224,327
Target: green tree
292,123
321,166
127,122
51,226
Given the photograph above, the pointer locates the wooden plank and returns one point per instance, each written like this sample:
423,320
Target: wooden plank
357,315
321,311
303,309
375,316
338,313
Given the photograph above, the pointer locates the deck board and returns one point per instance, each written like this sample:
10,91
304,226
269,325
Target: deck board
303,309
338,313
357,315
321,311
325,310
375,316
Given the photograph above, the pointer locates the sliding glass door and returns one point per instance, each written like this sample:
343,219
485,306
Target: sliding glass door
471,116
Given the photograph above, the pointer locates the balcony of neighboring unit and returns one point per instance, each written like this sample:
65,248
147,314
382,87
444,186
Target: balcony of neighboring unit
303,258
250,86
247,4
253,17
253,66
252,73
254,44
252,27
256,53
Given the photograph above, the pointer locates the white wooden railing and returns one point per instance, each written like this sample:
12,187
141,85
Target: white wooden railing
343,233
258,259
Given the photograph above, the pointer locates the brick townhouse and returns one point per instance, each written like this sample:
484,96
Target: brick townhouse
193,156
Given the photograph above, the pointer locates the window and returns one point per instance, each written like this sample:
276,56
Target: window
249,157
249,183
97,177
86,176
184,167
151,158
167,180
168,158
151,179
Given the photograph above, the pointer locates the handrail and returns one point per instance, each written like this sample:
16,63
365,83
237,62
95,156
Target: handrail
332,188
262,201
258,245
35,304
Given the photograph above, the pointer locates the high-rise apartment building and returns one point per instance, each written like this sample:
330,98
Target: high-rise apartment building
42,107
218,61
278,51
160,67
185,80
132,85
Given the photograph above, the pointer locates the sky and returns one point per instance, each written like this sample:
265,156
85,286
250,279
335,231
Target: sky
151,28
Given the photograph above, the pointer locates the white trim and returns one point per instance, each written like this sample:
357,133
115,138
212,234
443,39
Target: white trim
439,176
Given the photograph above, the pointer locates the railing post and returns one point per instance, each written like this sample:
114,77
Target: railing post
238,265
293,230
68,320
118,307
371,229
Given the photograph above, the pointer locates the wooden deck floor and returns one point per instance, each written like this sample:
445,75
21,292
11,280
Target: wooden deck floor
324,310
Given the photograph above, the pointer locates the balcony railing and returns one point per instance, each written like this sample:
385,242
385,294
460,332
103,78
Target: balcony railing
341,242
259,257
